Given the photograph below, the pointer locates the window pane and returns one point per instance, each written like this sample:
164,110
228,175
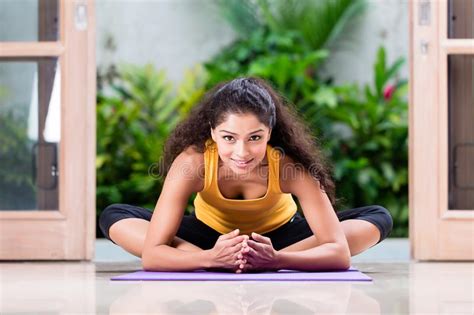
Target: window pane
29,20
460,19
461,131
29,134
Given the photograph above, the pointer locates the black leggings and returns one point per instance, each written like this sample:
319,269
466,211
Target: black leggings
196,232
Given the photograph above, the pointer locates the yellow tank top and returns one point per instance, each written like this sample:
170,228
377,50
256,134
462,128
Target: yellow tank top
259,215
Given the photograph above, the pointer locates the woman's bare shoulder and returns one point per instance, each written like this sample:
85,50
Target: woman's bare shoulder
190,163
288,172
295,178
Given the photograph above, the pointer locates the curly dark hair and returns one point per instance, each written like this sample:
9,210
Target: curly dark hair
251,95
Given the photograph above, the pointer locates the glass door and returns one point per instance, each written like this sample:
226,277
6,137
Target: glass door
30,132
47,129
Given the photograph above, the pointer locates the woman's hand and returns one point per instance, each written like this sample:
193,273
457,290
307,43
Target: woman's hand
257,255
225,251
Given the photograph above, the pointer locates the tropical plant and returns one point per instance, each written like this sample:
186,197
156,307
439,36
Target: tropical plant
366,135
319,22
279,34
261,54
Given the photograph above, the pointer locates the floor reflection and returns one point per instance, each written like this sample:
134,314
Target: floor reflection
47,287
244,298
86,288
442,288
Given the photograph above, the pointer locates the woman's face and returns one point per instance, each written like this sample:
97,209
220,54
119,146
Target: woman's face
241,141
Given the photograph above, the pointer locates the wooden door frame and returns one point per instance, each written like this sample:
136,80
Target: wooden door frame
436,232
67,234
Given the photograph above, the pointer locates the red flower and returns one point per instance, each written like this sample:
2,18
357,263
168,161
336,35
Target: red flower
388,92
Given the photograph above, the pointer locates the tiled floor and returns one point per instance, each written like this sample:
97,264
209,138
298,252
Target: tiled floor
400,286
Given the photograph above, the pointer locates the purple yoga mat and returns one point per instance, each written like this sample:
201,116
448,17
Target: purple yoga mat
282,275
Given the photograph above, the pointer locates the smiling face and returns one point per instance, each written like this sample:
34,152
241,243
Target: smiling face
241,141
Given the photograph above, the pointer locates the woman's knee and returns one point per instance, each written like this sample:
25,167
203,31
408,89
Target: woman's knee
110,215
384,218
119,211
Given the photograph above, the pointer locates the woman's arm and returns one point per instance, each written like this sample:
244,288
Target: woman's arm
158,254
328,256
167,258
332,250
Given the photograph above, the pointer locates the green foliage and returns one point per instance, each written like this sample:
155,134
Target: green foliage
134,120
319,22
242,15
288,35
366,135
261,54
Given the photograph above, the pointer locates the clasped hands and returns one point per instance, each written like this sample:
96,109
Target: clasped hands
241,253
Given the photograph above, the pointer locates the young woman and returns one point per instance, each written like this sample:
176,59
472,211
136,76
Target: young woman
246,154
